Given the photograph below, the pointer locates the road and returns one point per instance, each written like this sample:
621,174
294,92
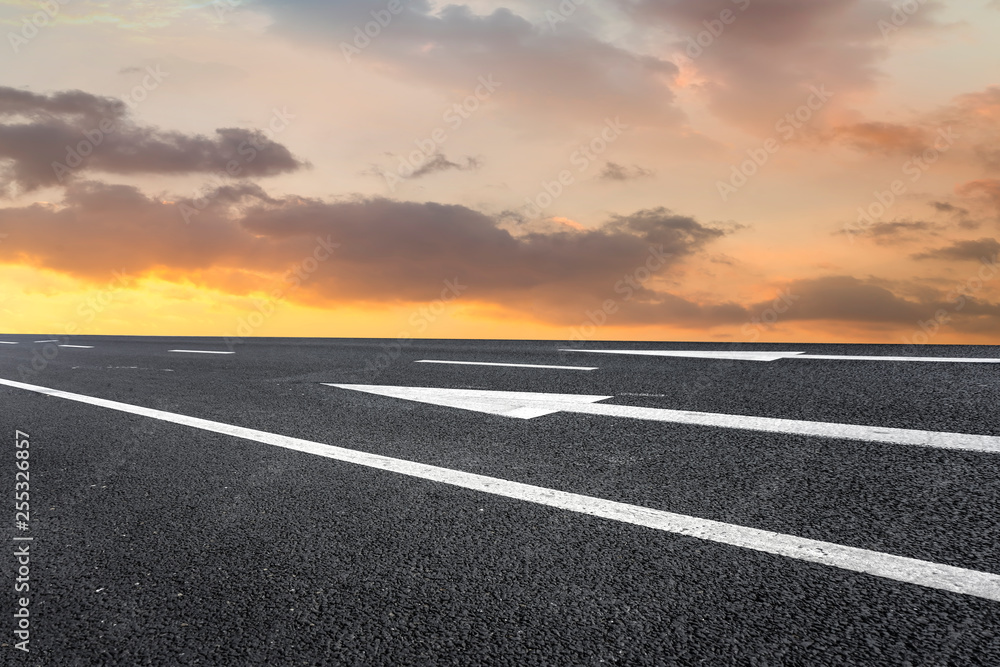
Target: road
273,505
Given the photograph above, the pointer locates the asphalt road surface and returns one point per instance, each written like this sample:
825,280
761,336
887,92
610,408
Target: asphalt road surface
197,508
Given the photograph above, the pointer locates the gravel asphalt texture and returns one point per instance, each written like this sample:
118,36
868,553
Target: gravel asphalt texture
160,544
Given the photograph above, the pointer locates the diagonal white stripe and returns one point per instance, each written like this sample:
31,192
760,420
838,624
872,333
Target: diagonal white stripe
898,568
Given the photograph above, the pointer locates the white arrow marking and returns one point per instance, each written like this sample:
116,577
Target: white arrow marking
889,566
487,363
776,356
527,405
518,404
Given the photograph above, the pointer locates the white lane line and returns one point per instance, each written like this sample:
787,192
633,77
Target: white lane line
953,360
528,405
6,342
777,356
699,354
200,352
898,568
486,363
81,347
46,341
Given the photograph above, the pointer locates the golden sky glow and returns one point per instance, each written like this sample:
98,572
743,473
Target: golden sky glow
719,170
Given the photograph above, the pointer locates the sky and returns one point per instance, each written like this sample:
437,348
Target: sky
702,170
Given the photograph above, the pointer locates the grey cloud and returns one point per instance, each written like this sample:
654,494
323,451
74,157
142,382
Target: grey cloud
899,231
389,250
977,250
49,139
615,172
763,63
849,299
569,71
945,207
438,163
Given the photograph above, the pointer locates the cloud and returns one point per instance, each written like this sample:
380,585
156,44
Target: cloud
50,139
438,163
897,231
245,241
989,187
972,118
615,172
390,251
762,62
945,207
978,250
567,72
847,299
887,138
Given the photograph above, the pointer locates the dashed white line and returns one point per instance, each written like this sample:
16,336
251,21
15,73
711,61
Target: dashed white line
46,341
529,405
7,342
201,352
889,566
81,347
488,363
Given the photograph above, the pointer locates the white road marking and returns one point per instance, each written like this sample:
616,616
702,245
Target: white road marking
776,356
519,404
46,341
5,342
201,352
486,363
953,360
527,405
82,347
889,566
698,354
